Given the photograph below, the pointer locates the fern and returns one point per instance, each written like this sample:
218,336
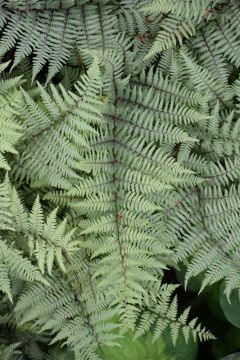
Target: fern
185,8
48,240
9,352
6,221
79,325
126,172
52,31
58,114
10,128
206,221
14,265
172,31
120,162
163,314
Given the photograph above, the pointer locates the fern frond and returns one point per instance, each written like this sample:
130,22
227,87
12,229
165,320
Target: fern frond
172,31
203,80
207,224
163,314
51,32
6,218
126,171
136,141
14,265
49,239
9,352
210,56
82,326
65,120
10,101
184,8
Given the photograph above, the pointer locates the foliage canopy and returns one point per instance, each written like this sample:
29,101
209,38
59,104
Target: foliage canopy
119,159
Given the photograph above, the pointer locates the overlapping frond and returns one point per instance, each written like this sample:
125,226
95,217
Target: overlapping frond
50,146
136,141
184,8
14,266
204,221
80,324
127,172
53,30
10,100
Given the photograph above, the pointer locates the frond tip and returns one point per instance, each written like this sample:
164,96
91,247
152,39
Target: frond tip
163,314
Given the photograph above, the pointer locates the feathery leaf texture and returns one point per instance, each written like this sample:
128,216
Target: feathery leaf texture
121,161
